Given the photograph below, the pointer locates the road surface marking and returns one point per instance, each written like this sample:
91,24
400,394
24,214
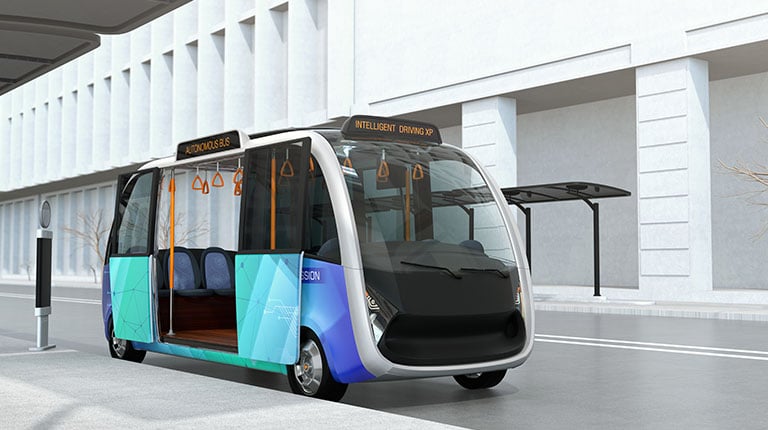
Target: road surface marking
655,347
53,351
53,299
653,344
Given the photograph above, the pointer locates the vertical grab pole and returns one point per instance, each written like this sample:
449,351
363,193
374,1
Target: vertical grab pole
172,228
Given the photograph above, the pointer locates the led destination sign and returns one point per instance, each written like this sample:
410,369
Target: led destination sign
208,145
378,128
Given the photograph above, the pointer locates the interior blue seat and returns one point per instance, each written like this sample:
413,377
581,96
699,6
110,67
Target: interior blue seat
330,250
186,274
161,271
218,271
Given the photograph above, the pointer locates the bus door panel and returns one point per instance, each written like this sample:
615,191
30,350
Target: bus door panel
268,298
129,256
268,264
131,298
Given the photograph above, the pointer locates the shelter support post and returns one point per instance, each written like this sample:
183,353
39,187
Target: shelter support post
595,242
527,213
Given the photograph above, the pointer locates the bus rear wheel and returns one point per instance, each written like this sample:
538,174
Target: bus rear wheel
311,376
476,381
123,349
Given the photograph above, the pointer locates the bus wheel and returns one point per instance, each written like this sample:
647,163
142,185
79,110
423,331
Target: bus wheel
311,376
123,349
476,381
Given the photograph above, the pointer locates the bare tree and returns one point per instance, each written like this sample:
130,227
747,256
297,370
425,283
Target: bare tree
28,265
755,173
90,231
183,236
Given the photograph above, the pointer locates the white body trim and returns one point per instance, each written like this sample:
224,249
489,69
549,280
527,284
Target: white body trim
369,353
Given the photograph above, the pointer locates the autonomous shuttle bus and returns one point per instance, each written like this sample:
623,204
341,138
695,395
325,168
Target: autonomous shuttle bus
373,252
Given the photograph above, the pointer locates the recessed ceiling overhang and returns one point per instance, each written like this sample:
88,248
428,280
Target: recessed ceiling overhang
37,36
724,63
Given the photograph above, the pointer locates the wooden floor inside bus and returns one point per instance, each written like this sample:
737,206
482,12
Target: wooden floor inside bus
224,339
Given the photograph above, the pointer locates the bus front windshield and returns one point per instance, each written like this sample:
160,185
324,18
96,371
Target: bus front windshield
422,205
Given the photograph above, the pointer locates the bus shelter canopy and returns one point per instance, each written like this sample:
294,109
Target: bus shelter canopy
560,192
37,36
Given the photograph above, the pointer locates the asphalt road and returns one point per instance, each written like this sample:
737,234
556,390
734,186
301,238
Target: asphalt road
586,371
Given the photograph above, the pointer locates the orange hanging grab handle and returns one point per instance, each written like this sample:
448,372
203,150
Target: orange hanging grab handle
238,176
286,169
238,188
418,172
197,183
382,173
347,163
206,188
311,167
218,180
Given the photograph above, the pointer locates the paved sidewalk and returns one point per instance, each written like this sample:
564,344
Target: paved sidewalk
63,388
742,312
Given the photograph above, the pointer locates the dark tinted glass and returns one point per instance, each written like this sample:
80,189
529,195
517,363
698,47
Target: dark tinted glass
273,200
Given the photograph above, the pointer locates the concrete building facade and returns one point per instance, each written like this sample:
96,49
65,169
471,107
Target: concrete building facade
649,96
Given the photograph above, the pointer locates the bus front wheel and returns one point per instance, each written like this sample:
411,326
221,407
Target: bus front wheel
311,376
476,381
123,349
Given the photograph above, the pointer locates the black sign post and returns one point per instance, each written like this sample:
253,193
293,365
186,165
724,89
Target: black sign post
43,278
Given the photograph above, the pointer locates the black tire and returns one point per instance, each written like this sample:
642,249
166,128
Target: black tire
306,379
476,381
123,349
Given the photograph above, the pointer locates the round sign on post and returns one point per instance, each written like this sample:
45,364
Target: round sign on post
45,214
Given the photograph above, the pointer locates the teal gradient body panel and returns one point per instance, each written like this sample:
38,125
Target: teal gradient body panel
131,298
268,296
209,355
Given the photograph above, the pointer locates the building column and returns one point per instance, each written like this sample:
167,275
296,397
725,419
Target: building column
489,133
673,166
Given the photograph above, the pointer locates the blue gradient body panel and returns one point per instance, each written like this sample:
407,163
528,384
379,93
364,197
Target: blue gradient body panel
106,300
325,310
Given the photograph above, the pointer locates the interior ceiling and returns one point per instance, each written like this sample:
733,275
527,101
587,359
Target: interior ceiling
36,36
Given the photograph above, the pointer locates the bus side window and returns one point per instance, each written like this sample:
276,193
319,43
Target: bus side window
134,220
274,197
321,237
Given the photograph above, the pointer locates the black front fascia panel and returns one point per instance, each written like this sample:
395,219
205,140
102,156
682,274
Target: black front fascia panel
441,341
440,320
